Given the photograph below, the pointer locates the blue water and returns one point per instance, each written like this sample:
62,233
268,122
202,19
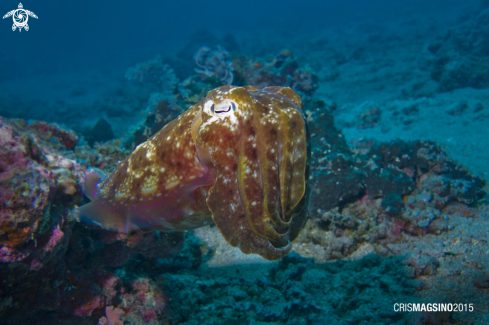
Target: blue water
85,34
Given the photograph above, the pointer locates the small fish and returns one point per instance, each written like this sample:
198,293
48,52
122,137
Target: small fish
240,158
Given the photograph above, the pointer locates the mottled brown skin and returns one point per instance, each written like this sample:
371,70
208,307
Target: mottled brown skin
238,158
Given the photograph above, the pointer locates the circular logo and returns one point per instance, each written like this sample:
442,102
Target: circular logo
20,17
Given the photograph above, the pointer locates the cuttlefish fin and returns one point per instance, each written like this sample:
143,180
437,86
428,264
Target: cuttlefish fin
93,214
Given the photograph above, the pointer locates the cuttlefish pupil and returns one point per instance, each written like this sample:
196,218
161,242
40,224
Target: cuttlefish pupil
221,108
239,158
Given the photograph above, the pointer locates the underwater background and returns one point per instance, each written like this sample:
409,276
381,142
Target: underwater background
396,98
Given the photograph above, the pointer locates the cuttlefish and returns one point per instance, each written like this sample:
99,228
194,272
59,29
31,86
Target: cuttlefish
239,159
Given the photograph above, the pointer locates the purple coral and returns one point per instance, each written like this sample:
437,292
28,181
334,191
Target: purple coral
214,63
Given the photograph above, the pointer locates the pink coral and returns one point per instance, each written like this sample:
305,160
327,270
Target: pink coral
112,316
55,237
108,282
145,300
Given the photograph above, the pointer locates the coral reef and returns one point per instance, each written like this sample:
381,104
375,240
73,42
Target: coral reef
214,64
38,185
281,70
387,171
153,72
183,61
42,249
396,221
162,105
390,220
35,179
103,156
215,68
193,89
160,111
400,198
144,302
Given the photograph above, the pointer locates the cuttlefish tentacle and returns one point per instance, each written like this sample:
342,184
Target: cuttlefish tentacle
261,161
240,158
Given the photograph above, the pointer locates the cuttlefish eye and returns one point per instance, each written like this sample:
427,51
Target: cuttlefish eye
224,107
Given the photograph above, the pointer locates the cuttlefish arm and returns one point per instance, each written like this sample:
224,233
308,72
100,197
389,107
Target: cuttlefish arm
239,158
258,142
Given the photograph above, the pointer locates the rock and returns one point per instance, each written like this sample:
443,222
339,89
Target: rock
282,70
461,59
101,132
38,185
36,179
